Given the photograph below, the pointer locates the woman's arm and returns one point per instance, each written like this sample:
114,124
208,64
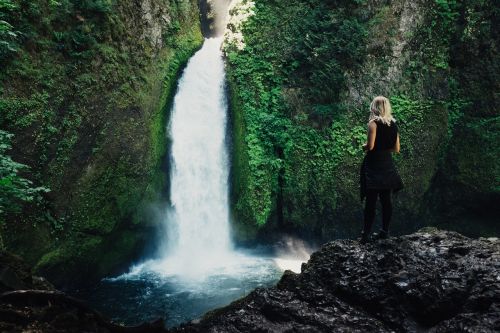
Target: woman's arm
372,133
396,146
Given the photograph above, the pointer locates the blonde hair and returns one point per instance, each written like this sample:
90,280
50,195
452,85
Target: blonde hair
380,109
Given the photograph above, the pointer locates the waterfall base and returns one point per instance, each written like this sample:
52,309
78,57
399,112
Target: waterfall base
155,289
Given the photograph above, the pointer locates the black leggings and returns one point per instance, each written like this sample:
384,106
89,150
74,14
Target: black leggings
370,206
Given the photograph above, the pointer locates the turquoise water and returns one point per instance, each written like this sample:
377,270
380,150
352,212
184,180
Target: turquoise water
145,295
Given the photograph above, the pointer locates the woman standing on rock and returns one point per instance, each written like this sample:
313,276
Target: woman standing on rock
379,175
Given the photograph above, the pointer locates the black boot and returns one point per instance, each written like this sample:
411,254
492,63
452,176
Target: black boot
382,234
365,237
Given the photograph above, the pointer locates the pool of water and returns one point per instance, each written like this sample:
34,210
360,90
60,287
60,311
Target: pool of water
153,289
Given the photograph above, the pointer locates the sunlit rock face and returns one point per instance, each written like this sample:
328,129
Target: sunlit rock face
214,16
239,12
432,280
156,22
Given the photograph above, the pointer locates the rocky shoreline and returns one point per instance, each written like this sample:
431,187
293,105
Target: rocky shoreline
429,281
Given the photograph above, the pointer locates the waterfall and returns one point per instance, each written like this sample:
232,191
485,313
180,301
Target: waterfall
196,244
198,269
198,220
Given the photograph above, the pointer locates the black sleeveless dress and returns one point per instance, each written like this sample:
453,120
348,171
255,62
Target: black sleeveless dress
378,171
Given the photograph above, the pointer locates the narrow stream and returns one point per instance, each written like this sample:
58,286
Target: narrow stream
199,270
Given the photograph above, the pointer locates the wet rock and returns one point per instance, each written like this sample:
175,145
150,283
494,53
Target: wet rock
54,311
31,304
432,280
16,274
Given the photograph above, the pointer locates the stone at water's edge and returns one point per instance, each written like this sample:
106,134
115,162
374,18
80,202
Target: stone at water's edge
16,274
435,281
432,280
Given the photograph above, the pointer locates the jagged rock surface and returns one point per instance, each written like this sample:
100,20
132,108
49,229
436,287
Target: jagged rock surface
16,274
429,281
434,281
30,303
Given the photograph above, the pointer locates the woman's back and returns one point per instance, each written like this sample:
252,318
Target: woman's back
386,135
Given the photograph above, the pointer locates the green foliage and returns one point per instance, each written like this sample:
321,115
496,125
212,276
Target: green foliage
311,49
456,105
14,189
333,43
94,6
447,10
433,38
8,36
413,116
408,111
476,165
438,31
86,95
298,130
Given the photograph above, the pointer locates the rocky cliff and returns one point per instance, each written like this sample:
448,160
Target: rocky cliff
85,89
432,281
302,75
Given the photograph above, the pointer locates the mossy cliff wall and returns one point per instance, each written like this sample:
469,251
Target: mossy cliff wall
86,91
302,75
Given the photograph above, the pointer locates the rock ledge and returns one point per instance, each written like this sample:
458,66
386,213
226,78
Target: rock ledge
429,281
434,281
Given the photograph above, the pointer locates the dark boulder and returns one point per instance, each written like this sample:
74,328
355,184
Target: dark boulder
16,274
31,304
54,311
432,280
429,281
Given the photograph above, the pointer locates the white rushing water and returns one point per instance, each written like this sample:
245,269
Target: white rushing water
198,221
197,243
199,176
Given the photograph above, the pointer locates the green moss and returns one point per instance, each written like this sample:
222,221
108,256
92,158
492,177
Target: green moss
77,258
472,159
86,258
239,167
273,123
92,98
78,251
